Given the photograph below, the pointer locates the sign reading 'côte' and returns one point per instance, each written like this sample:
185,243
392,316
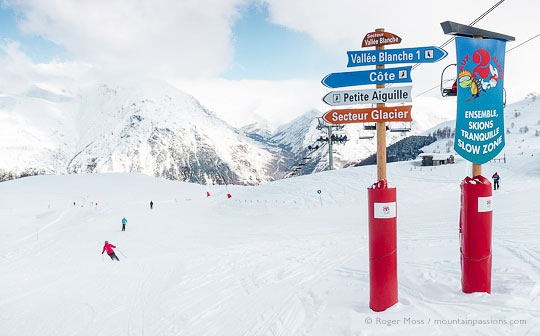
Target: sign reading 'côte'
370,96
378,76
380,114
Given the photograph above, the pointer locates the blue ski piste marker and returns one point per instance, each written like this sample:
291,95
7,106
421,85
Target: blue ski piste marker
379,76
395,56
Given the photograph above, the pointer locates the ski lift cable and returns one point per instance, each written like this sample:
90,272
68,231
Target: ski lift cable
453,38
519,45
470,24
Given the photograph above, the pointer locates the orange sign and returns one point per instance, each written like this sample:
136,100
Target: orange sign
375,114
379,39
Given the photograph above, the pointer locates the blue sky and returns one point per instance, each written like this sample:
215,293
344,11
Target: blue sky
37,48
268,51
262,50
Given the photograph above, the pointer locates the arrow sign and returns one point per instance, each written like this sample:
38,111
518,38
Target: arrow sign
377,114
379,76
372,96
395,56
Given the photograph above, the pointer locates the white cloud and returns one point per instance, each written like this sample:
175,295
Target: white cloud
248,101
18,73
167,38
180,40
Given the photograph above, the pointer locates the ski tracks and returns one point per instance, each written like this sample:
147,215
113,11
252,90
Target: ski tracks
250,292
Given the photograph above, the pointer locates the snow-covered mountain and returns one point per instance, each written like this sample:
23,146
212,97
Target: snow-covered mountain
153,128
168,134
147,127
522,130
301,135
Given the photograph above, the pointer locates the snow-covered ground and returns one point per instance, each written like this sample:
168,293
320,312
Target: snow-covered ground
273,260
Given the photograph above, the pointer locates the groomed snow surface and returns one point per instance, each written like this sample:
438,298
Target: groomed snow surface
273,260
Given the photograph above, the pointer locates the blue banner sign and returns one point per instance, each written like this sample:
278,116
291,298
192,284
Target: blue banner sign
394,56
480,121
380,76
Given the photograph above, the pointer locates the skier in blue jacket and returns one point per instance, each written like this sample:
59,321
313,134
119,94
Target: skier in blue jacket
124,222
496,179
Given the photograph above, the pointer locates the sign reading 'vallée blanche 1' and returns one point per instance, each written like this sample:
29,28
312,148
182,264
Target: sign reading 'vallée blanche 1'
480,122
394,56
378,76
369,96
378,114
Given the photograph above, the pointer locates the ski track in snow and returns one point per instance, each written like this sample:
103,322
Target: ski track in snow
269,261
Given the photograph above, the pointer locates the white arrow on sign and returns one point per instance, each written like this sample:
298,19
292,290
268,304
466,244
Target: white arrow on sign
372,96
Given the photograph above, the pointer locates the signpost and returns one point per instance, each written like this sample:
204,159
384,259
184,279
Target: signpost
395,56
382,205
378,76
391,95
479,138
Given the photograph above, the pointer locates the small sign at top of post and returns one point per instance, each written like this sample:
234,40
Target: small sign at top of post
377,39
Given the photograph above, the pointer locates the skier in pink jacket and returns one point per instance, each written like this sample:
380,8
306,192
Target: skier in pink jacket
109,248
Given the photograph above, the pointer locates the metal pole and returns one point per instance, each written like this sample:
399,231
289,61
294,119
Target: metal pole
330,149
381,130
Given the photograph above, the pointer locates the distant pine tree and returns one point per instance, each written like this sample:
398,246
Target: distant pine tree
403,150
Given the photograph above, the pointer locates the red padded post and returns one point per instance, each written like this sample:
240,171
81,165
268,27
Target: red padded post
382,211
475,234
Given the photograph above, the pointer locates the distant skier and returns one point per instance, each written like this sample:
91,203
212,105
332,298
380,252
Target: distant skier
151,205
496,179
124,222
109,248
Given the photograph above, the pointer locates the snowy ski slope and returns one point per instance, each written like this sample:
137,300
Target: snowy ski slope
273,260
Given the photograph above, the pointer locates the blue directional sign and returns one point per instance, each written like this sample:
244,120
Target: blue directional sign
379,76
395,56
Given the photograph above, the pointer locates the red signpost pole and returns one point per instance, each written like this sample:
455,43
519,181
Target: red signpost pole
382,227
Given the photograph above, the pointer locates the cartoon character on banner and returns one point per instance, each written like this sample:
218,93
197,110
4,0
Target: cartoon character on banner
484,77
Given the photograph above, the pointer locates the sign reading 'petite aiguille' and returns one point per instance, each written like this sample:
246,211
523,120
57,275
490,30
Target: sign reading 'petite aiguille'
369,96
